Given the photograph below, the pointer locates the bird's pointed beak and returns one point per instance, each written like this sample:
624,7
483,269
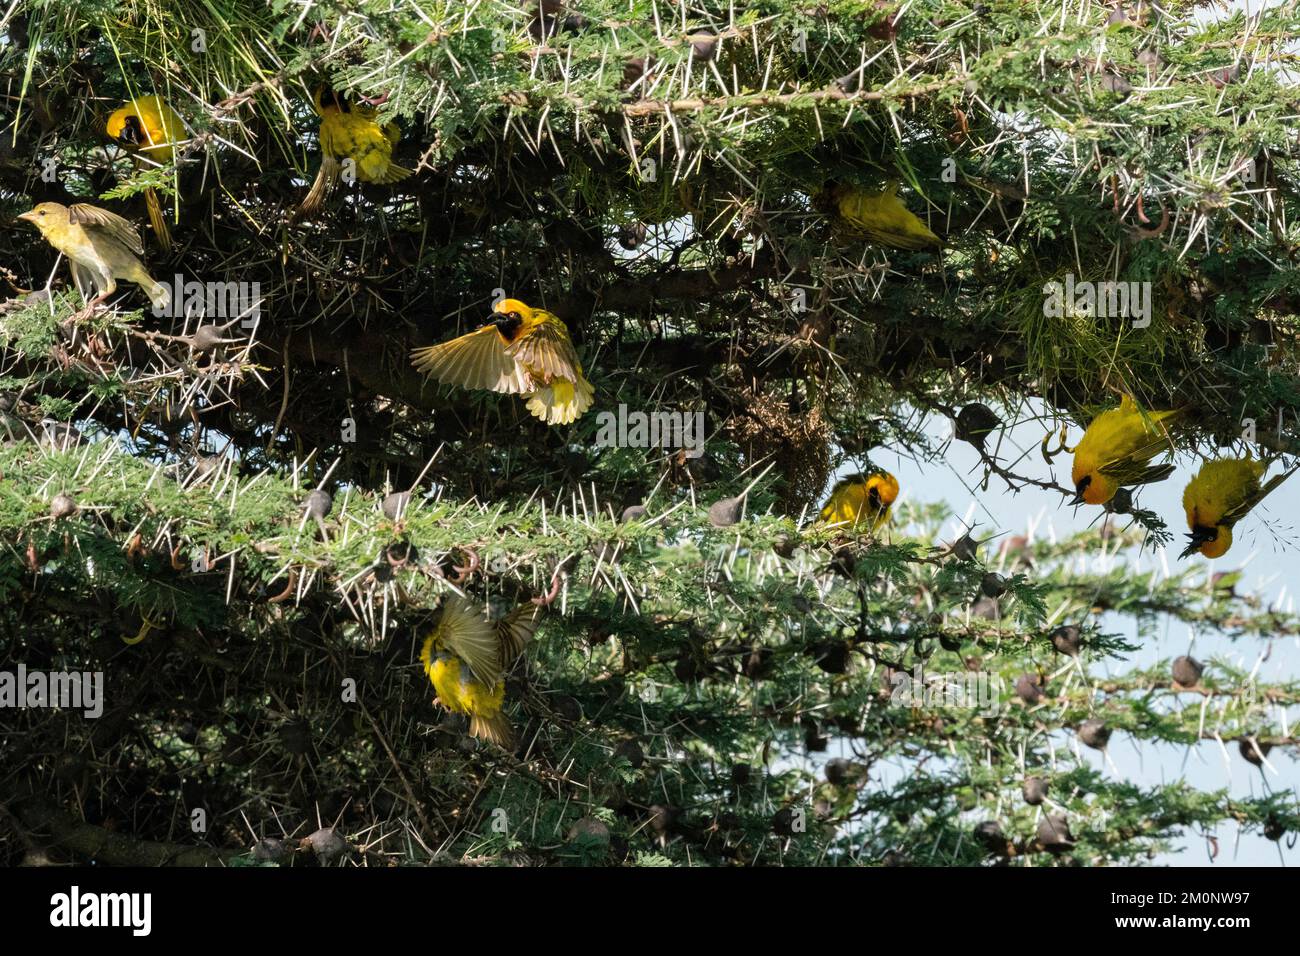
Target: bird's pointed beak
29,215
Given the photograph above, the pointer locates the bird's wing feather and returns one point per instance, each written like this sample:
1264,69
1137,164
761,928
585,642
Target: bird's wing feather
465,631
106,223
1128,472
548,350
516,629
1233,515
475,360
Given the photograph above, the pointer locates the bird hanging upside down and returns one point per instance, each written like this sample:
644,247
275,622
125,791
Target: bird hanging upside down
523,351
860,502
101,247
882,218
1223,492
466,656
151,129
1116,450
348,132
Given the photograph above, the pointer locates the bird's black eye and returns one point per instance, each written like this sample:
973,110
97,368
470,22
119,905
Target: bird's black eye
514,315
41,213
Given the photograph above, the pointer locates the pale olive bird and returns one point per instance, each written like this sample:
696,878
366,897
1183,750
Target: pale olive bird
522,351
101,247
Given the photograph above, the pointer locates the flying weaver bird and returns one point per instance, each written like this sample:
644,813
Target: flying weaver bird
101,247
348,131
1116,451
882,218
523,351
860,501
149,128
1223,492
466,656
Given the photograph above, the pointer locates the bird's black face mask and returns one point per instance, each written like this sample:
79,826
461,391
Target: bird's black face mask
1080,488
873,497
507,324
1200,534
132,131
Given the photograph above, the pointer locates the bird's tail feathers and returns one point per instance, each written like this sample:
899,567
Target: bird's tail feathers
158,221
495,729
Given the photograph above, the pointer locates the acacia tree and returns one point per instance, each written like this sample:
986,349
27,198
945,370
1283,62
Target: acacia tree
663,177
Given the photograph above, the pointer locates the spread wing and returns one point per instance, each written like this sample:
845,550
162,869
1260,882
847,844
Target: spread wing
547,351
476,360
106,223
464,630
517,629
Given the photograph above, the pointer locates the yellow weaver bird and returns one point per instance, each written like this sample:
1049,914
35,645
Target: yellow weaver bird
1116,451
101,247
860,501
466,656
149,128
1223,492
882,218
523,351
348,131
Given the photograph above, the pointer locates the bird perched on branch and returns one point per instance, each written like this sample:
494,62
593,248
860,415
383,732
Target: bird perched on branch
860,502
1223,492
151,130
352,144
882,218
1116,451
101,246
466,656
522,351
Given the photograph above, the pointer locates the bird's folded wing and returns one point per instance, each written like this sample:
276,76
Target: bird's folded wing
516,629
547,351
1234,515
106,223
476,360
1128,471
465,631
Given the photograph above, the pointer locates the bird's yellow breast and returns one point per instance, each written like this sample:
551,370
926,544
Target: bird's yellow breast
458,690
350,136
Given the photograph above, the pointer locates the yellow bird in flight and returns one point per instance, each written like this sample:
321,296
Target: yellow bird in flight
522,351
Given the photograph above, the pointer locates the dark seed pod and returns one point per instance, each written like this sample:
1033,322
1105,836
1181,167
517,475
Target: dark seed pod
1094,733
401,553
757,663
833,657
270,850
631,235
1067,639
631,751
566,708
1028,689
1119,15
1150,59
704,45
725,512
1187,671
993,585
589,830
329,846
663,818
783,822
396,505
1254,750
1122,503
62,506
1274,829
813,739
1114,83
1034,790
741,774
318,504
837,771
990,836
1054,832
58,436
632,513
965,548
975,423
206,338
784,545
636,69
